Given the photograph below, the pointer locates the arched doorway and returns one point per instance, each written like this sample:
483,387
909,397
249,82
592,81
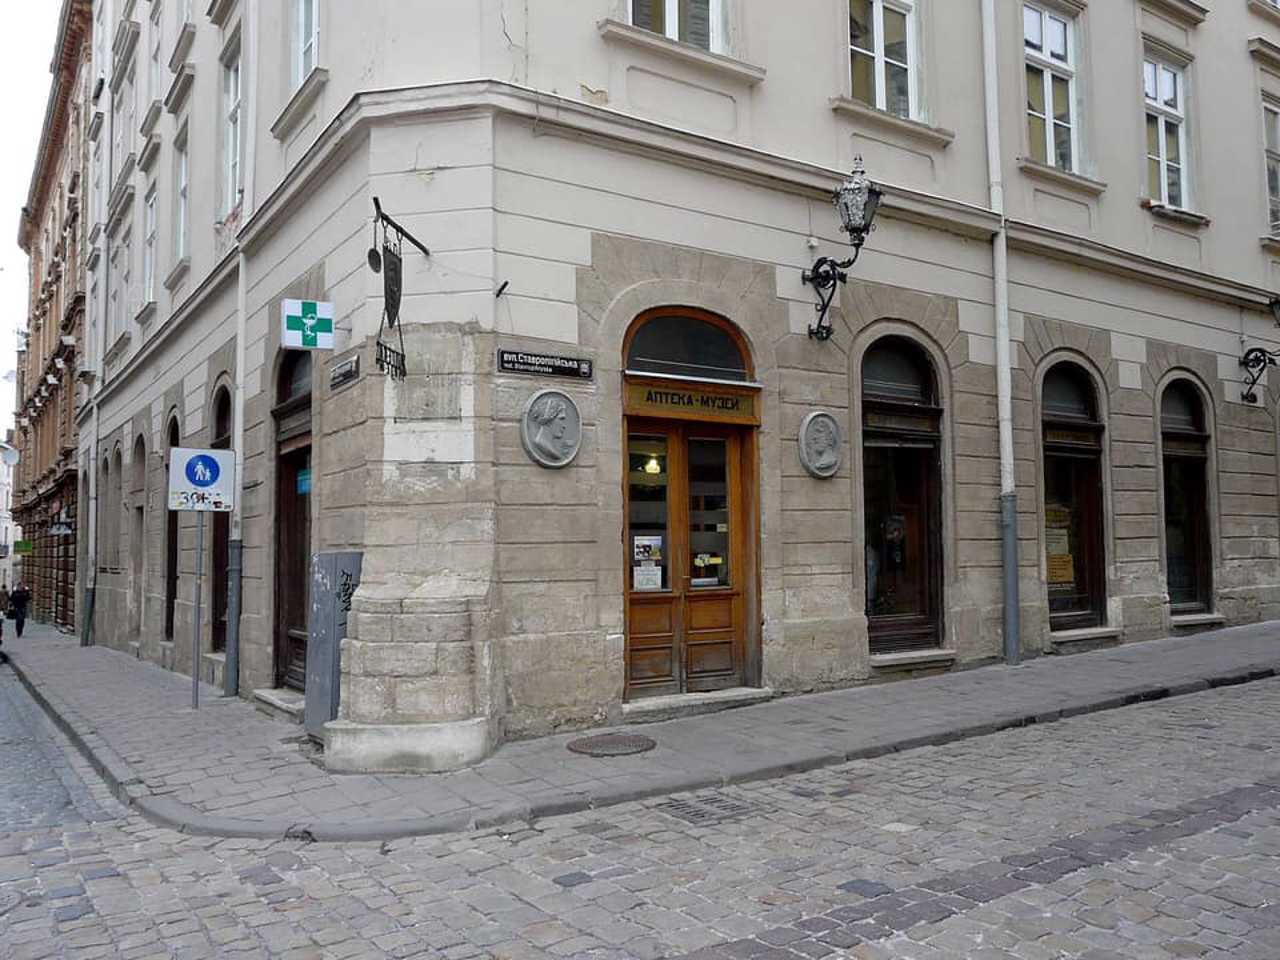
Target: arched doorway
902,497
173,439
691,409
293,518
138,535
1073,528
1185,452
220,556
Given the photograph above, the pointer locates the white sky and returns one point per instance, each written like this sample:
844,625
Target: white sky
26,50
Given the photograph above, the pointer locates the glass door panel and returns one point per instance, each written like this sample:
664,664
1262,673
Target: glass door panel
1186,539
897,534
1073,538
709,515
648,505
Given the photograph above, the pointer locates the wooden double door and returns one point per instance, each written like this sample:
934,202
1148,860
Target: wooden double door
690,556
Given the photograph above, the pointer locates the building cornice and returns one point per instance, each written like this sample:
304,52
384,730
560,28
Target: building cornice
623,131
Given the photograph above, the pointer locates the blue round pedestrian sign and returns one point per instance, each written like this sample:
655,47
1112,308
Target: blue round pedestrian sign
202,470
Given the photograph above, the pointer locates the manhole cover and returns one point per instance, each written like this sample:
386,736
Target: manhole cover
8,901
707,809
612,745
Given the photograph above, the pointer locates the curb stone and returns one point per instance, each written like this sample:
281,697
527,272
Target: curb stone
130,788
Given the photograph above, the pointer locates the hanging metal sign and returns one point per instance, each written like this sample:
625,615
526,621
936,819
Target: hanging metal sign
392,282
390,262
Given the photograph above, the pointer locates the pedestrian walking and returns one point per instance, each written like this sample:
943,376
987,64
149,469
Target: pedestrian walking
18,601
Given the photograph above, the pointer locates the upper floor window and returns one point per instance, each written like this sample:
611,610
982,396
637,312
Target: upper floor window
1051,122
308,38
696,22
154,91
1271,122
1164,88
182,221
882,55
149,248
231,104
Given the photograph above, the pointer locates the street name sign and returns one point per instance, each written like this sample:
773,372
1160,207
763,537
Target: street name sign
202,481
308,325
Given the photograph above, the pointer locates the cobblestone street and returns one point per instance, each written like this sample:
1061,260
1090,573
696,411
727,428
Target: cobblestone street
1145,832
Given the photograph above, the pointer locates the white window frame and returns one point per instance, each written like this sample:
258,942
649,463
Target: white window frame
114,324
1050,67
307,51
1271,154
716,10
1166,114
182,222
126,276
149,231
908,9
117,132
154,76
232,130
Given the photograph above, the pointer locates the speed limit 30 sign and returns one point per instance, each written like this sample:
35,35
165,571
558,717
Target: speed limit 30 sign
202,481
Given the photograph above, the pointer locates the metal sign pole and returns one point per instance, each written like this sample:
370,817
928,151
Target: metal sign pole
195,630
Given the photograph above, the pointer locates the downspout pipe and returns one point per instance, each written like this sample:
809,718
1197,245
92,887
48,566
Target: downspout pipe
1004,347
235,545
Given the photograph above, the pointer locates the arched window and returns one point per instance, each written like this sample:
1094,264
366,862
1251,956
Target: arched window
1073,521
902,490
295,376
1185,475
692,345
105,513
222,417
896,369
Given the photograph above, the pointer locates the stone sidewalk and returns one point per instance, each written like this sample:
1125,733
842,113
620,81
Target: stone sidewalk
229,771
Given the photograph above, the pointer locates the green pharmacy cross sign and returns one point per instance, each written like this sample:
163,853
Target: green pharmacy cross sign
308,325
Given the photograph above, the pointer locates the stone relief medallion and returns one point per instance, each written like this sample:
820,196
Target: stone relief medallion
551,429
820,445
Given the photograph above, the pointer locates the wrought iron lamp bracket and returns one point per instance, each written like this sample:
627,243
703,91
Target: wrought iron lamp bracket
825,276
1255,362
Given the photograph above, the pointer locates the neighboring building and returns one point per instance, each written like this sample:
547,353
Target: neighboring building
642,185
9,564
52,233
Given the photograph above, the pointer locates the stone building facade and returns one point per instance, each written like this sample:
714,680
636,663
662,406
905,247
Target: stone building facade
52,233
638,191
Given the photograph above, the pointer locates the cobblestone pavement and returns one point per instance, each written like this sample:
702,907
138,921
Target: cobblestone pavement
230,771
1144,833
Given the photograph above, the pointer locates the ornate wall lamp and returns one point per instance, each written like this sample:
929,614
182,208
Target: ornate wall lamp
856,201
1256,360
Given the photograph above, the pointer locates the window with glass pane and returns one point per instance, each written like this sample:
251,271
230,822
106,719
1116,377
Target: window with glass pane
881,58
648,473
1271,118
1162,87
1051,126
708,513
308,35
695,22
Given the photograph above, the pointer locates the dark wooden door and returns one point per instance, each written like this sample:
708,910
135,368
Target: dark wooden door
686,557
293,565
903,547
170,571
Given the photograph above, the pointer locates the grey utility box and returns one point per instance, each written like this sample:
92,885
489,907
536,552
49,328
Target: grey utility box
334,578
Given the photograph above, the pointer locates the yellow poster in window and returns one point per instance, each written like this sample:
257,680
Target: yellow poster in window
1062,568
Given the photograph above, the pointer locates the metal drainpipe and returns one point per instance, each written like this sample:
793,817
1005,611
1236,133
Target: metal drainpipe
1004,351
235,546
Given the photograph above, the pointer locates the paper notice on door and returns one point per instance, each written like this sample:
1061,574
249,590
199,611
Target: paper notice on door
646,577
647,548
1057,541
1062,568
